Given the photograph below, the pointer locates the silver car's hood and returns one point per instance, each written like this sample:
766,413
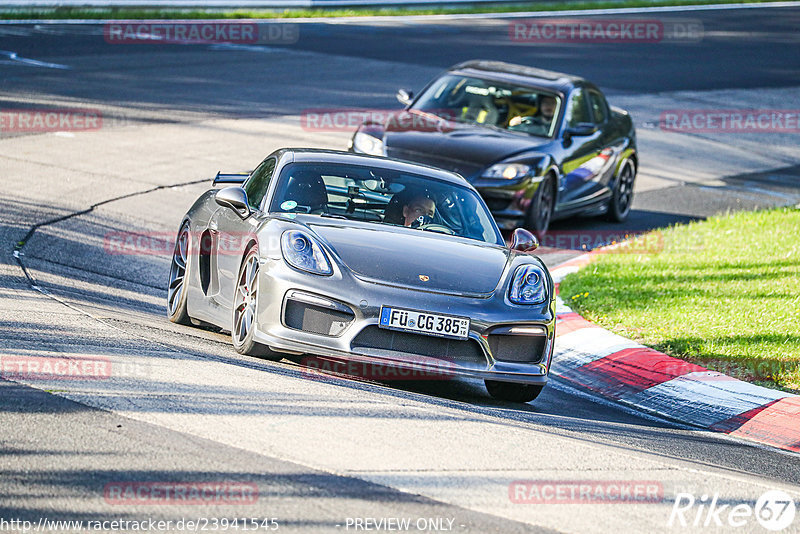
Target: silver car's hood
415,258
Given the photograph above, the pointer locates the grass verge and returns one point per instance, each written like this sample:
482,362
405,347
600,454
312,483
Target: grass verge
723,293
126,13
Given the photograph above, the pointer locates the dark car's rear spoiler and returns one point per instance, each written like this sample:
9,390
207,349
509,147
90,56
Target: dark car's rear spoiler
232,178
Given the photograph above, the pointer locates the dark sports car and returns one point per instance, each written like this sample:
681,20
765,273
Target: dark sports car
366,259
538,145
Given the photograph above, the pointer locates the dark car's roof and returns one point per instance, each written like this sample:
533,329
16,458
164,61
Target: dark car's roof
546,79
318,155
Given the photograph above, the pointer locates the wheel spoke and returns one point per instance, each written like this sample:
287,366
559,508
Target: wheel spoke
245,300
175,297
247,322
252,271
183,246
176,282
238,329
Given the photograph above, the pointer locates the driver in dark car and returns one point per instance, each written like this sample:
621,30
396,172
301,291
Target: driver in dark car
420,208
544,116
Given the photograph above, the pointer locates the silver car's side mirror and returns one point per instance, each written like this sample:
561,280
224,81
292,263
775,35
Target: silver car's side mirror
234,198
405,97
523,241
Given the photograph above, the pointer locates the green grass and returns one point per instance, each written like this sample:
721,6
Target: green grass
124,13
723,293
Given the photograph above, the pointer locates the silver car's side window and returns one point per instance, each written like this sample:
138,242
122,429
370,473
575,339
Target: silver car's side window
258,183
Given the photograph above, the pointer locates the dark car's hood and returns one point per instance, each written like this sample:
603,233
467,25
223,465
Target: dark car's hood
461,148
401,256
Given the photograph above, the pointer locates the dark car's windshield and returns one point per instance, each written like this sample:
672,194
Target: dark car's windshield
383,196
490,103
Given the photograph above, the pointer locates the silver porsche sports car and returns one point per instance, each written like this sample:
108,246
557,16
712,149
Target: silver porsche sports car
355,258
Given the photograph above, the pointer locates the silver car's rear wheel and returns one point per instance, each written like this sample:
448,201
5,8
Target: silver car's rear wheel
245,306
176,291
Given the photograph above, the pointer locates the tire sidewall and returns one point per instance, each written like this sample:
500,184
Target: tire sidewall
248,346
532,222
614,211
181,315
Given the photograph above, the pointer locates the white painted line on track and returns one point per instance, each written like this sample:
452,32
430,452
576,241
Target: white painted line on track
14,59
390,18
632,409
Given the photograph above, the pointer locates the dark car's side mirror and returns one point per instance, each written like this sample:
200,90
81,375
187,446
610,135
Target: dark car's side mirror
523,241
234,198
405,97
582,129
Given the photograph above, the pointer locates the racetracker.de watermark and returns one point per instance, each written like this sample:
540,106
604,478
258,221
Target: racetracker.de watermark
21,367
149,524
594,30
585,491
349,119
161,32
180,493
163,243
614,241
730,120
416,368
49,120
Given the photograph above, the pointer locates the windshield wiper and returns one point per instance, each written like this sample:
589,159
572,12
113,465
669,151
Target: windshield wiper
333,216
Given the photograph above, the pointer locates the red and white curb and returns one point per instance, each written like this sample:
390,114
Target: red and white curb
622,370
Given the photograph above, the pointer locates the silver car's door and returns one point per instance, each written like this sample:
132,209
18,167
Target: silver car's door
230,234
234,233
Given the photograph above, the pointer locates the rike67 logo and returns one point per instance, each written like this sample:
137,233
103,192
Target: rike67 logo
774,510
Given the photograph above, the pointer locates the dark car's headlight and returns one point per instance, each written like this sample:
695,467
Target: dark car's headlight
301,251
507,171
529,285
368,144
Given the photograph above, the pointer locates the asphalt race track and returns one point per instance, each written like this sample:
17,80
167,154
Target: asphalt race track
328,453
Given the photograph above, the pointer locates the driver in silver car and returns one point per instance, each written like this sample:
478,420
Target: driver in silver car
420,208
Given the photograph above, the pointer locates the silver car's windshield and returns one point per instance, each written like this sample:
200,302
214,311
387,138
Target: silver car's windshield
383,196
489,103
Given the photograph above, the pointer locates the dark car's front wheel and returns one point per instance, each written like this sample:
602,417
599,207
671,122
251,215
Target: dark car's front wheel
619,207
245,306
509,391
541,209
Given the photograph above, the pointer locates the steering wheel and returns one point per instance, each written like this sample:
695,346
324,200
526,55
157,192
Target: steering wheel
531,125
440,228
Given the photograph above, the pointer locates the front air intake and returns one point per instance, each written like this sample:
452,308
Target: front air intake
316,319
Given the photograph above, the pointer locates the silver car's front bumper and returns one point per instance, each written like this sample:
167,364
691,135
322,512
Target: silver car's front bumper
280,284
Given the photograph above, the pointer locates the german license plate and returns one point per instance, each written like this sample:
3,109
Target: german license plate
433,324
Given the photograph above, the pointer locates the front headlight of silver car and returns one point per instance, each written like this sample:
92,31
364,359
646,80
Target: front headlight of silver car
368,144
302,252
529,285
507,171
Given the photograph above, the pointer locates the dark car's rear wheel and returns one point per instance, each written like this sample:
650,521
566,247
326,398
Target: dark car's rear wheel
619,207
540,211
509,391
176,291
245,306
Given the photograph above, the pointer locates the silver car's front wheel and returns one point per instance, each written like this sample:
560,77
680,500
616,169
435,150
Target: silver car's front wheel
245,306
176,291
